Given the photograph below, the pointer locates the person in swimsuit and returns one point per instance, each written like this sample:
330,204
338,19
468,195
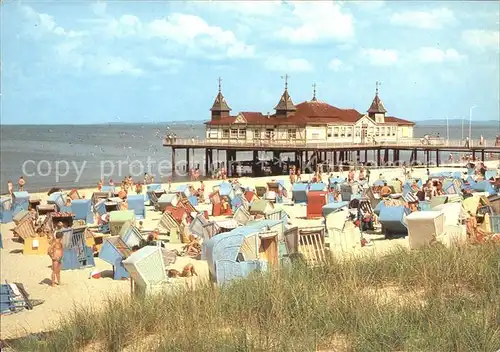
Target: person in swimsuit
56,254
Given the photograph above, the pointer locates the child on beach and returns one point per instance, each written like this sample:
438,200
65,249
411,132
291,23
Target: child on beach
55,253
21,182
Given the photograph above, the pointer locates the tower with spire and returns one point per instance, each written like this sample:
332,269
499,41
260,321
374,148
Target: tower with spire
220,108
377,110
285,106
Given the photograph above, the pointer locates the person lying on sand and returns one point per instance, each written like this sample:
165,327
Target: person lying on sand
193,248
55,253
188,271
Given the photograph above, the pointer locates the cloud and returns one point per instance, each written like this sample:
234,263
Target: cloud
43,24
316,21
482,39
434,55
72,54
114,65
338,65
247,8
167,65
185,30
368,5
434,19
381,57
99,8
284,64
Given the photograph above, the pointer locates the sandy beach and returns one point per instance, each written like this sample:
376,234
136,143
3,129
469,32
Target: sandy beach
78,289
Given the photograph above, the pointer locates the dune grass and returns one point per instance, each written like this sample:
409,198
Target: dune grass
435,299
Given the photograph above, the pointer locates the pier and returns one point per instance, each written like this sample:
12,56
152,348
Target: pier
308,155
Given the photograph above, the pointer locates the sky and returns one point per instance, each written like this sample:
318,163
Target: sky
82,62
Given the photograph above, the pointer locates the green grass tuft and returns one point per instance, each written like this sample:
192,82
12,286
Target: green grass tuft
435,299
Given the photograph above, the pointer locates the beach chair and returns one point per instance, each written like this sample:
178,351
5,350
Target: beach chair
495,223
393,221
299,192
147,270
424,227
345,192
166,200
44,209
242,216
311,245
111,190
20,202
183,190
82,208
118,218
495,203
150,190
136,203
58,199
130,234
210,230
318,186
490,174
260,190
316,200
334,207
260,207
193,200
114,250
6,210
196,226
168,223
226,190
14,299
76,252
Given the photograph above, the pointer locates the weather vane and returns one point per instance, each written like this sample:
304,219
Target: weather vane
286,77
220,84
377,84
314,91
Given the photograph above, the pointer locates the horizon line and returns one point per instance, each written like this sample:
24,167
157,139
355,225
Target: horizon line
183,122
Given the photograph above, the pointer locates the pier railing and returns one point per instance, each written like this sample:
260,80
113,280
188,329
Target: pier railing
404,142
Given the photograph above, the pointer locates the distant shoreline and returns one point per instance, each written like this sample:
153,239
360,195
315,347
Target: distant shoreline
452,122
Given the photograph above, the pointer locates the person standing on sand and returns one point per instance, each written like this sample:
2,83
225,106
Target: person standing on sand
21,183
55,253
10,187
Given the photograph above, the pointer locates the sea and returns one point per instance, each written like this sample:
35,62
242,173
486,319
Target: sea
70,156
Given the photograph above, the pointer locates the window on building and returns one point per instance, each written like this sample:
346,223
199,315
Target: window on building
370,131
269,134
225,133
377,131
212,134
292,133
342,131
349,131
234,133
382,131
394,130
242,134
335,131
329,134
256,134
358,131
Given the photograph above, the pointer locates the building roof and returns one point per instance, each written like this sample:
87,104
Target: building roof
306,113
377,106
285,103
220,103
